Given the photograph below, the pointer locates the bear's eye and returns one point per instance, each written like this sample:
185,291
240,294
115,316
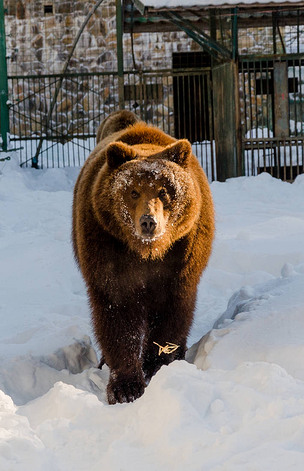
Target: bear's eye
134,194
162,194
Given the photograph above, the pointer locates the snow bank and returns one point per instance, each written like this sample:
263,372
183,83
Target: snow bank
250,418
243,409
264,323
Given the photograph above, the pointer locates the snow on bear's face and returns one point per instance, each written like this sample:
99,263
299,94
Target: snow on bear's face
153,198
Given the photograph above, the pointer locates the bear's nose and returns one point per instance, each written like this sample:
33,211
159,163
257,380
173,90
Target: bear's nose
147,224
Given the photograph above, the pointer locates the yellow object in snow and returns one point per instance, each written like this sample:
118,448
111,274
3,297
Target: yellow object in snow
169,348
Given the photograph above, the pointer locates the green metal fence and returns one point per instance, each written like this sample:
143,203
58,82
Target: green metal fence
272,115
178,101
4,119
60,134
63,134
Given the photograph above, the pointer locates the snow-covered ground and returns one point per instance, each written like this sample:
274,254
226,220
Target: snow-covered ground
243,409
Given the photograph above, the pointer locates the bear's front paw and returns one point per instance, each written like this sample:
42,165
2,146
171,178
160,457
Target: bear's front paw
125,388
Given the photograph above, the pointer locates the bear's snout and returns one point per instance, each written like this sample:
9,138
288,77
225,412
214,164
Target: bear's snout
147,224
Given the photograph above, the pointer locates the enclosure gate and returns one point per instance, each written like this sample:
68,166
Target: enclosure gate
272,112
66,135
179,102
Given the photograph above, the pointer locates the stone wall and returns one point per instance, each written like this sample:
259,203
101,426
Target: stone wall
40,35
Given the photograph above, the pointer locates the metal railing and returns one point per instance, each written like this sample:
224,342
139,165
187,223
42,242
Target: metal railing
67,138
281,158
179,103
272,111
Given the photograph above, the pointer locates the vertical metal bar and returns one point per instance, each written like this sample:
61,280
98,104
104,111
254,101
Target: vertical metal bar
268,99
295,107
184,117
145,101
190,86
161,100
195,138
51,126
43,107
4,112
280,81
244,98
119,45
297,155
278,160
298,31
168,79
290,160
71,128
129,94
56,124
284,160
211,134
131,80
212,26
196,102
25,130
199,112
298,143
159,87
256,101
300,95
141,93
262,97
82,119
168,92
274,32
164,120
178,110
18,112
253,158
250,76
234,13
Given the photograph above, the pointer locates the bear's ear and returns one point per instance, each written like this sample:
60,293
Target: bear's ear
178,152
119,153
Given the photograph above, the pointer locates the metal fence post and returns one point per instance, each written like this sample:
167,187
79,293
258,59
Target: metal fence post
4,115
120,65
234,33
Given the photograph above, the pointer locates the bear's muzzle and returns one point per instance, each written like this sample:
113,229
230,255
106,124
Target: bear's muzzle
148,225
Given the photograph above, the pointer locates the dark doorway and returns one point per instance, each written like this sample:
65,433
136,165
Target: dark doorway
192,96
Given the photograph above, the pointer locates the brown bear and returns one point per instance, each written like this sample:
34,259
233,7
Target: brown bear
143,225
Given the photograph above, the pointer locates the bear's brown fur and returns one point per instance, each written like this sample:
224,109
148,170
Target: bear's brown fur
116,121
143,227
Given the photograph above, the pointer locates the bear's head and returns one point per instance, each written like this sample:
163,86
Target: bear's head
146,197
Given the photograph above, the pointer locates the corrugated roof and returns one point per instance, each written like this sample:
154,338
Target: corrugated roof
167,4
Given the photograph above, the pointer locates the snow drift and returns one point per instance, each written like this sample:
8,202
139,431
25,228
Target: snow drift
240,406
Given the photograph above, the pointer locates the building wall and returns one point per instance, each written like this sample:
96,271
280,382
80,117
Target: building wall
40,35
